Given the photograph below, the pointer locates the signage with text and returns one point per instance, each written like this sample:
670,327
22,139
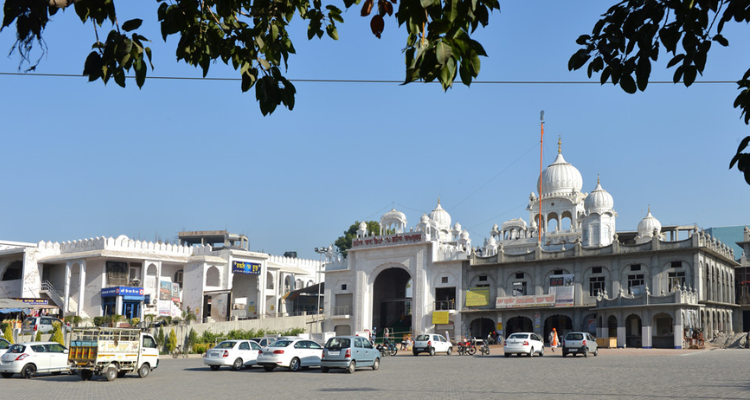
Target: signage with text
388,240
122,291
244,267
547,300
477,296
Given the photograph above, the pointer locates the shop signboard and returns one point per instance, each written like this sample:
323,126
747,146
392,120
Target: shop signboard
477,296
244,267
165,290
547,300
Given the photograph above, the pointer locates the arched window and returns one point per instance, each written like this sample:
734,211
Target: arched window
14,271
212,277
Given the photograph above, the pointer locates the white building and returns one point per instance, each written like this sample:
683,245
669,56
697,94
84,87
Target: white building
218,279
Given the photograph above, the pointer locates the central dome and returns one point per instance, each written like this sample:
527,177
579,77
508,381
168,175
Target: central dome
441,217
560,177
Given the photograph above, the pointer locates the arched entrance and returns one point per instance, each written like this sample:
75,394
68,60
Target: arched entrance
612,326
481,327
390,307
663,337
518,324
633,331
562,324
590,324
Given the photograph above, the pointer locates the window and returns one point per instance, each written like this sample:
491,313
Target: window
557,272
519,288
244,346
343,287
676,264
444,279
178,277
676,280
149,342
14,271
483,278
635,284
519,275
596,270
117,273
596,285
635,267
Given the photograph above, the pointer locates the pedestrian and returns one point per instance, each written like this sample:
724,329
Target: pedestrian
553,339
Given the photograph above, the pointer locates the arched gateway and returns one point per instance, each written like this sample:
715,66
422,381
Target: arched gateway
391,302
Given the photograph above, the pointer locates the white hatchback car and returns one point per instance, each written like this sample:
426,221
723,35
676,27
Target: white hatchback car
31,358
431,343
527,343
232,353
292,354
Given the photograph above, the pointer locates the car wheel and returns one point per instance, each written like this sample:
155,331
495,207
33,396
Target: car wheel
507,354
376,364
6,374
86,374
28,371
268,368
350,369
111,374
565,353
324,370
450,350
214,367
585,352
294,364
237,365
144,370
432,351
596,352
541,352
121,374
415,353
531,352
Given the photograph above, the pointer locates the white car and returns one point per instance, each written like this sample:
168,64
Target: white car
524,343
232,353
292,354
431,343
31,358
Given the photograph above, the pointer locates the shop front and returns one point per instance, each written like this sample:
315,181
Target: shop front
123,300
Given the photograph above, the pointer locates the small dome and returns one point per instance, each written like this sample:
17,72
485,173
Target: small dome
393,214
492,242
465,234
424,219
647,226
560,177
362,225
441,217
457,227
599,201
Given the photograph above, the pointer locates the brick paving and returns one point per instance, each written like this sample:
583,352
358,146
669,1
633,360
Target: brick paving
614,374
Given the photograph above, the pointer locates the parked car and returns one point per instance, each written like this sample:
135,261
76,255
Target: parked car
29,359
4,344
40,324
263,342
349,352
292,354
579,342
232,353
431,343
527,343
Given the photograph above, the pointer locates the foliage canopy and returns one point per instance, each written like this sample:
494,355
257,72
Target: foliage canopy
344,243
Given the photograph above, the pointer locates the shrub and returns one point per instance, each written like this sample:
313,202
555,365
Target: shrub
57,335
98,321
8,334
200,348
38,336
171,341
135,321
160,337
192,339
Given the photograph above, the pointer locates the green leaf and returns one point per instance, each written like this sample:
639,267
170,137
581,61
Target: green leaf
443,52
140,72
332,32
427,3
132,24
627,83
721,40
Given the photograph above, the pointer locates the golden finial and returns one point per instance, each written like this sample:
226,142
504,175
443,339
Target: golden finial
597,179
559,145
649,208
438,199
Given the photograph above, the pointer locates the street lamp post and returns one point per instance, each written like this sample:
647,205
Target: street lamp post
321,251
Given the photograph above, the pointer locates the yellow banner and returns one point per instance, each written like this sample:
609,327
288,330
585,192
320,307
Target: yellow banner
478,296
440,318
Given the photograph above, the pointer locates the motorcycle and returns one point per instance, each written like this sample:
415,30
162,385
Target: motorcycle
387,349
467,348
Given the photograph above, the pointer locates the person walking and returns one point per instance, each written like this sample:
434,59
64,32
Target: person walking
553,339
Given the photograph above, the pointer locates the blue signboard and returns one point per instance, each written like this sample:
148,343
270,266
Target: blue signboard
122,291
242,267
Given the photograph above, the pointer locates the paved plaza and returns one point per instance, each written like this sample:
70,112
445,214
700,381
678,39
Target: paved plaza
614,374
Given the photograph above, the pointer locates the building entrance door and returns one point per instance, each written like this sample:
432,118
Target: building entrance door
131,309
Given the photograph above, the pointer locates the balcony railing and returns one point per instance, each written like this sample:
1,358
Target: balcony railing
445,305
342,310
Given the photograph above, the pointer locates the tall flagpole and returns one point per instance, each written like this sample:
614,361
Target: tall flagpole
541,153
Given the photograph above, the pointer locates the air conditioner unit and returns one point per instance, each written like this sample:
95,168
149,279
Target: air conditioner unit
153,302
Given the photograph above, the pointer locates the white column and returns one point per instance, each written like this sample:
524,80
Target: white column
620,336
66,296
646,337
82,286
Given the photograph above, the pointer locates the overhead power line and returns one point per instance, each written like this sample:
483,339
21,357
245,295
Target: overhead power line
187,78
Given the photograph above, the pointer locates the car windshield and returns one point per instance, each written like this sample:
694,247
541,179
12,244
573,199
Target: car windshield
338,343
519,336
422,338
280,343
16,348
225,345
574,336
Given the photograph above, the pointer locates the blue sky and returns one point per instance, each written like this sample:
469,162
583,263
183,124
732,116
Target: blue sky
84,160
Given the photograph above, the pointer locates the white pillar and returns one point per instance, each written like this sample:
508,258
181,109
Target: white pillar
679,333
82,286
646,337
66,296
620,336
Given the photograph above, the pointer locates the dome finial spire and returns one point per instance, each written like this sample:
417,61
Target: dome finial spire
597,179
559,144
438,199
649,208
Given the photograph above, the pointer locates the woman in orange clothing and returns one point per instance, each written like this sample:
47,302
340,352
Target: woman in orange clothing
553,339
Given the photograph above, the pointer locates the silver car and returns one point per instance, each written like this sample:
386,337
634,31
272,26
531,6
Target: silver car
349,352
579,342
